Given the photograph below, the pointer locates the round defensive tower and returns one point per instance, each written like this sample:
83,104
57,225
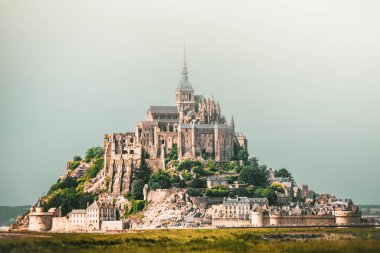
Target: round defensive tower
39,220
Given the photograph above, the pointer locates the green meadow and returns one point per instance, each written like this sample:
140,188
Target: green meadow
199,240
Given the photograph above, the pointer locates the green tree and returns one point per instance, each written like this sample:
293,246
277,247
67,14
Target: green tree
254,175
159,180
172,155
243,155
283,172
268,193
137,187
217,192
94,152
140,177
77,158
193,192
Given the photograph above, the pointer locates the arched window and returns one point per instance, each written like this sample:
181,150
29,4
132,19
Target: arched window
131,152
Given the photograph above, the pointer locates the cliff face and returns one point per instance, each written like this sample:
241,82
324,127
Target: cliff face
174,208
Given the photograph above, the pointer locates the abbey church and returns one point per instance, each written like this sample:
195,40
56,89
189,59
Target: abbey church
194,126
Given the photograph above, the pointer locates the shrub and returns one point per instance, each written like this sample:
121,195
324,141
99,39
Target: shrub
136,206
277,187
182,184
95,168
192,192
186,176
199,171
187,165
217,192
73,165
198,183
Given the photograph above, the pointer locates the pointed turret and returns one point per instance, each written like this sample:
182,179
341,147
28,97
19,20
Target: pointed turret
232,122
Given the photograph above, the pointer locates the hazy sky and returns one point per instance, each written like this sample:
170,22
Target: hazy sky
300,77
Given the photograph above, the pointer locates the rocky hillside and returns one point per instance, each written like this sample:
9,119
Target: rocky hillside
174,208
171,195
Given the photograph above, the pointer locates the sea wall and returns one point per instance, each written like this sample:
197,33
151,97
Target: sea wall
301,220
60,224
230,222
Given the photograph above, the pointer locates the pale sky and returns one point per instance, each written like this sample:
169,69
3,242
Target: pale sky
300,77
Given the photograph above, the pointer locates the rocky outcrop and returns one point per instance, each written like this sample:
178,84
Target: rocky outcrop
174,208
21,223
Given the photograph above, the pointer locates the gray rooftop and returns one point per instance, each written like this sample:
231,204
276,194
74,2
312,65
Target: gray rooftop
163,109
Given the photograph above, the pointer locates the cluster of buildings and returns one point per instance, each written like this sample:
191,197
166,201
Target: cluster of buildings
195,125
97,216
256,212
291,191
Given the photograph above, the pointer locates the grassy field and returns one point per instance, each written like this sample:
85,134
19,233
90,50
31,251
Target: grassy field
200,240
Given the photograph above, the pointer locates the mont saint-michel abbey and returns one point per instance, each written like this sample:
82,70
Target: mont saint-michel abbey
194,126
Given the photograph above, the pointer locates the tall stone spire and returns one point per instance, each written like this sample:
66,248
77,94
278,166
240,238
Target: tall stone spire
184,83
184,66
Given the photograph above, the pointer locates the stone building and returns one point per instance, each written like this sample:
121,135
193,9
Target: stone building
194,125
96,216
333,212
214,181
240,207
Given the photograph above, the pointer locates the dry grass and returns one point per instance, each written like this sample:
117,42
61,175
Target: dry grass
273,240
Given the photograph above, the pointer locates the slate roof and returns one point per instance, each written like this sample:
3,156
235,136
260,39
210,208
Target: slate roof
163,109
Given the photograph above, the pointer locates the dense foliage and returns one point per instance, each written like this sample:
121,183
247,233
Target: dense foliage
254,174
283,172
94,169
68,199
188,165
172,155
136,206
77,158
268,193
159,180
94,152
73,165
193,192
217,192
198,183
140,177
